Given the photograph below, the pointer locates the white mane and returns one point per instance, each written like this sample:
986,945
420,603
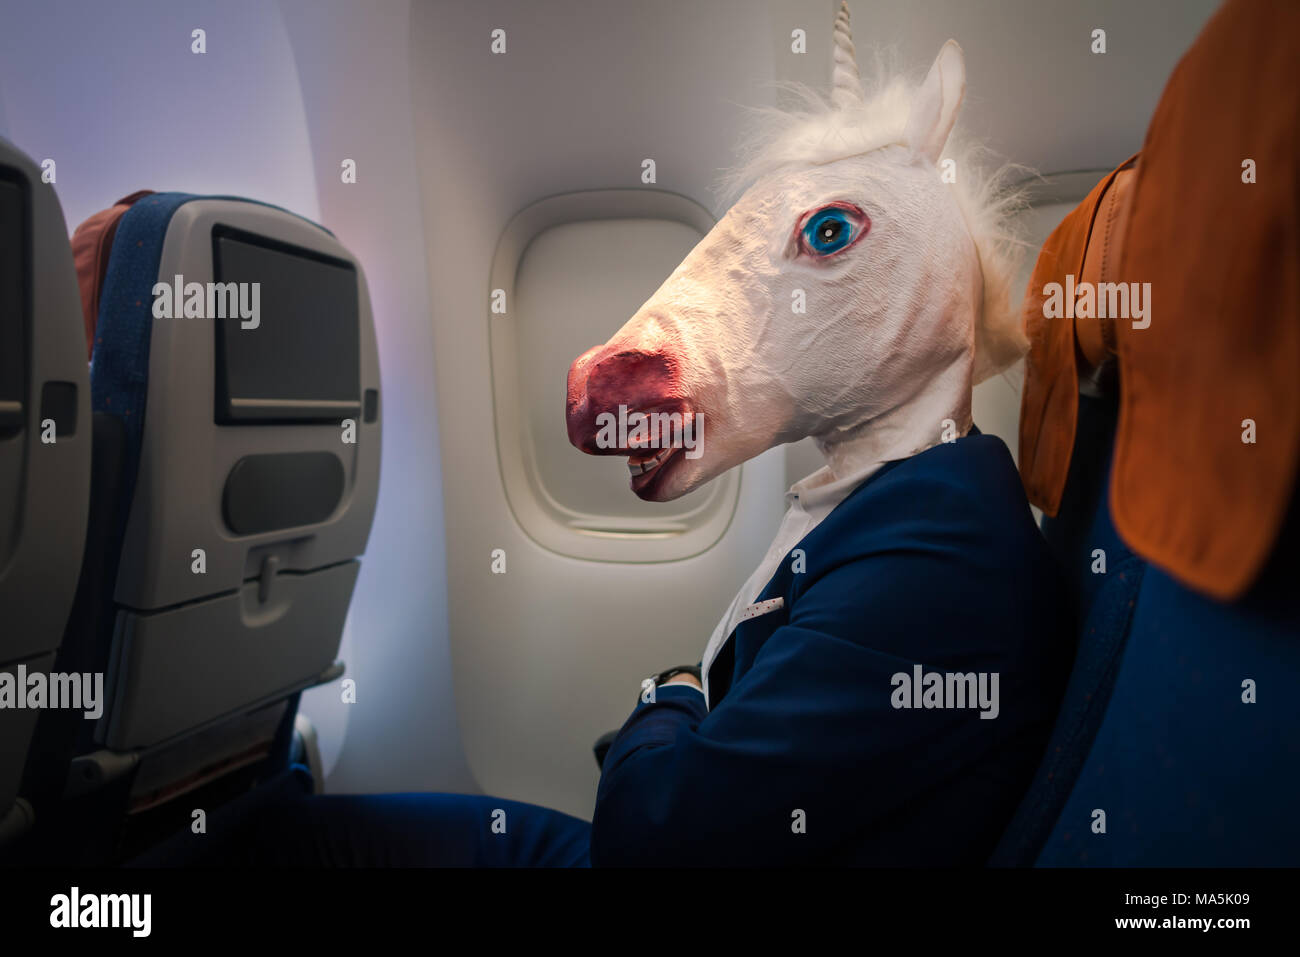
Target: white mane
816,132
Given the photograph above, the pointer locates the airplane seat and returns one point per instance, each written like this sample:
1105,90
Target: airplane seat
44,456
1103,574
1178,742
235,387
1103,606
1153,729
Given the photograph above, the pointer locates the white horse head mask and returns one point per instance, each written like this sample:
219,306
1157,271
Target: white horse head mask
849,294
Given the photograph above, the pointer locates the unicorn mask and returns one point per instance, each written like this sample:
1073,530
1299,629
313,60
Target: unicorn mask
849,294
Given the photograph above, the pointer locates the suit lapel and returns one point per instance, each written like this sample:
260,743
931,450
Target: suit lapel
757,622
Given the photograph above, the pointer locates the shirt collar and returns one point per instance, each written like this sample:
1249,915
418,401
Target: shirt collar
822,488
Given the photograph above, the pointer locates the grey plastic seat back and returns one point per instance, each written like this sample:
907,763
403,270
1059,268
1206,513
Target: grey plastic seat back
44,453
236,343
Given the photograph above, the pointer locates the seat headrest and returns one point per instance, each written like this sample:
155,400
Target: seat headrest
1214,230
91,244
1084,247
1206,451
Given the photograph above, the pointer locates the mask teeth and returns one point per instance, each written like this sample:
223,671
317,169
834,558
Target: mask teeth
654,463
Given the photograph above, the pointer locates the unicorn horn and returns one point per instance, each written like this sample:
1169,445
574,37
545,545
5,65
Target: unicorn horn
846,87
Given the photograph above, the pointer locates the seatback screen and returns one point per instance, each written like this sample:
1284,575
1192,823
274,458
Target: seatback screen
13,304
287,332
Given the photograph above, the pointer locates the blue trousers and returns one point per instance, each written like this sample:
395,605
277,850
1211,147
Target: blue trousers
413,830
380,830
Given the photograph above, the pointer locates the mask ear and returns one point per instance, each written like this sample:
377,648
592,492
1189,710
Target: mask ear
937,102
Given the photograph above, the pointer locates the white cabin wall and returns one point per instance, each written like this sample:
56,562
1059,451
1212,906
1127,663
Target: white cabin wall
232,117
401,734
550,655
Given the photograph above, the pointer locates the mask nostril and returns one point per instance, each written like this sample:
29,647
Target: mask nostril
605,379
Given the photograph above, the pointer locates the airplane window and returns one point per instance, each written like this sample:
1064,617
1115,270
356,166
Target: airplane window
575,283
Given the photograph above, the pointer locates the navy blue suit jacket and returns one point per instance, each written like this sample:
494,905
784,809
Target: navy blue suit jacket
803,757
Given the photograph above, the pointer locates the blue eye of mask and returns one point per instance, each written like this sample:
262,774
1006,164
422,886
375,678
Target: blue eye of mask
829,230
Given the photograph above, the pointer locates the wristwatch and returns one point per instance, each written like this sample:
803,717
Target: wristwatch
663,676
